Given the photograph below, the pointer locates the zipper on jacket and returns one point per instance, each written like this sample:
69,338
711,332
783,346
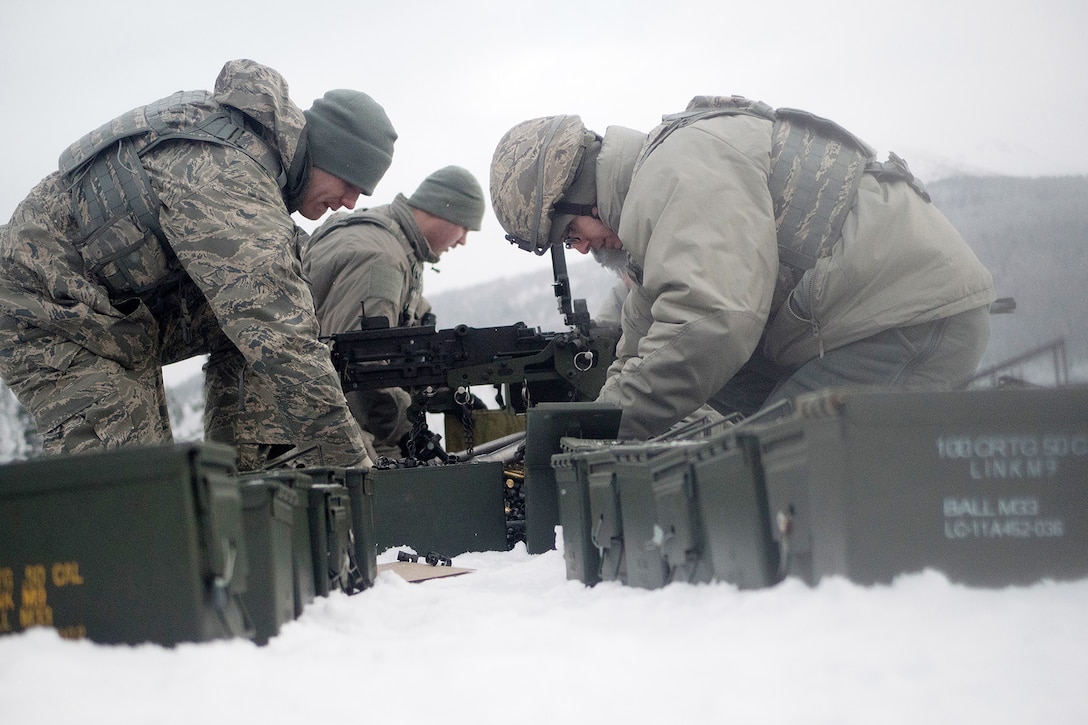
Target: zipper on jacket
815,322
807,289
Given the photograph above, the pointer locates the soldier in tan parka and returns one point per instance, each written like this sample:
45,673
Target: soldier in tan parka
371,262
751,285
167,233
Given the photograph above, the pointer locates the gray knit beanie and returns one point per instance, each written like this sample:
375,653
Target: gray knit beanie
453,194
351,138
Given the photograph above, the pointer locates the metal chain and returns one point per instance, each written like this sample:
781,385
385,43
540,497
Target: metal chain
420,423
468,426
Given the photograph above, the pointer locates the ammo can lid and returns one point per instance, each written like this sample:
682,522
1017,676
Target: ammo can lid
135,465
260,492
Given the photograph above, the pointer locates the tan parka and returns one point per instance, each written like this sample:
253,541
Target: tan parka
696,220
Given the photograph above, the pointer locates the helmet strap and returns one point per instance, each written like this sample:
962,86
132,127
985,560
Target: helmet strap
565,207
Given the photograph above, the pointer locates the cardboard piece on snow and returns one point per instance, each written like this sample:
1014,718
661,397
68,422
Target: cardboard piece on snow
418,571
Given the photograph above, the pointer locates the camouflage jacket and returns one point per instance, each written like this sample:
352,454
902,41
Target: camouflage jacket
706,262
226,221
371,260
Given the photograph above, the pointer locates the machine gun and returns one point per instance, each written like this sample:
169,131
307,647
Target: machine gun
526,365
529,366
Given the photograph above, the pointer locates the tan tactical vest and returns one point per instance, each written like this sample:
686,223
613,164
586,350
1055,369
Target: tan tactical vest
816,167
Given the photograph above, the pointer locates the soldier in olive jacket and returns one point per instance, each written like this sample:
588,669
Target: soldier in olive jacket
371,262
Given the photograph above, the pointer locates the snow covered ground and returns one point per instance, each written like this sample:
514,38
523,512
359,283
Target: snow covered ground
515,643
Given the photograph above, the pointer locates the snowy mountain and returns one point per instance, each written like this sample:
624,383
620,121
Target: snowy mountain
527,298
987,158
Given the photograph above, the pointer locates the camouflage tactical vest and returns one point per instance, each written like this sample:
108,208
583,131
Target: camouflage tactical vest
816,167
114,205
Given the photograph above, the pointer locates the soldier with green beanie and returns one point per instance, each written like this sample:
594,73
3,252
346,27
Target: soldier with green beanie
167,233
371,262
769,254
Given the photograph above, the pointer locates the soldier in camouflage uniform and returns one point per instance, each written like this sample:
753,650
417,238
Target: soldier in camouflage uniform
372,261
167,233
770,255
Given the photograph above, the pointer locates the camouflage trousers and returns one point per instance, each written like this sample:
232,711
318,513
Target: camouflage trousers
82,401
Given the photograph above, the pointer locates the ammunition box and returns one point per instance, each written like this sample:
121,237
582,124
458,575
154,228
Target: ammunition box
545,425
604,513
694,510
589,509
302,557
268,514
332,549
986,486
364,545
141,544
731,507
580,555
449,509
661,534
678,533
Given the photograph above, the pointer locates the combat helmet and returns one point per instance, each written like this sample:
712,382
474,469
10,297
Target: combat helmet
534,166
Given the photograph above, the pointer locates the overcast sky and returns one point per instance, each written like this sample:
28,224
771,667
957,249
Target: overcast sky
982,86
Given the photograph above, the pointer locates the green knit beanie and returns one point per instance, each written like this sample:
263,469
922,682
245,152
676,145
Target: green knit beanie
351,138
453,194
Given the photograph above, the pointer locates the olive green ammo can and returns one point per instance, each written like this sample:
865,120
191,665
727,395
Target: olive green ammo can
691,508
302,560
986,486
581,555
604,513
686,509
449,509
141,544
268,513
364,545
589,509
662,537
545,425
731,508
329,512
